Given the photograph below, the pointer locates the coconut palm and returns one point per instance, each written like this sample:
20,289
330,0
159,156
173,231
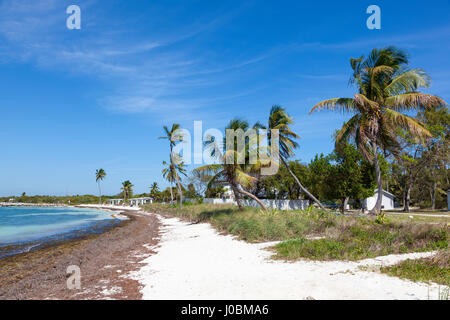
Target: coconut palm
127,190
171,172
234,174
100,174
281,121
173,136
154,190
386,87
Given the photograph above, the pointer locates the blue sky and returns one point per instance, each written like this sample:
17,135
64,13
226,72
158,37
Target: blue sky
73,101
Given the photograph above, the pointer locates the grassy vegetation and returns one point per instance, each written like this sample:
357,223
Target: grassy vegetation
251,224
348,238
435,269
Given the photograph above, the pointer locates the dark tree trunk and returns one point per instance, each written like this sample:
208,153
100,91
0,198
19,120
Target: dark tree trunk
433,196
377,208
301,186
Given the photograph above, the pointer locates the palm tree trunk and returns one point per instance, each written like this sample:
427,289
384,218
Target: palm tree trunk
309,194
180,192
171,194
236,196
100,193
377,208
254,198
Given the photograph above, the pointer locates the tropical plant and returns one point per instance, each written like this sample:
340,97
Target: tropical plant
100,174
281,121
174,135
231,173
127,190
154,190
386,87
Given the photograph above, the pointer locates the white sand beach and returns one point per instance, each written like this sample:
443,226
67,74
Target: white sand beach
193,261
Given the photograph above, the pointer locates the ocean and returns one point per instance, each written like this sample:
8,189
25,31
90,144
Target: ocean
28,228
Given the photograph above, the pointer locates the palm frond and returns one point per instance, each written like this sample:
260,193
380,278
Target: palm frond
339,104
413,100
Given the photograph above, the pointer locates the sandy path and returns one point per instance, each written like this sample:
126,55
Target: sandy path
194,262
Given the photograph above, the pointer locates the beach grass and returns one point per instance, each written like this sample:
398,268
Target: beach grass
433,269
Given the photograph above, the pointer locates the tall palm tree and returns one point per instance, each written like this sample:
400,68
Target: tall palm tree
386,87
127,190
173,136
100,174
281,121
234,174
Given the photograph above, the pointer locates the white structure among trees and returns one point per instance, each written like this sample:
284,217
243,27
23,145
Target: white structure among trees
387,202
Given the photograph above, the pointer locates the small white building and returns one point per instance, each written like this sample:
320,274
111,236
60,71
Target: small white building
134,202
387,201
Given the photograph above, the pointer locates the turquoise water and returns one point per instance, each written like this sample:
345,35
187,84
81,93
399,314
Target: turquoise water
24,224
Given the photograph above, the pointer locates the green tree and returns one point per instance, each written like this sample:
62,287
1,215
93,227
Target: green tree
174,135
281,121
236,175
127,190
386,87
154,191
100,174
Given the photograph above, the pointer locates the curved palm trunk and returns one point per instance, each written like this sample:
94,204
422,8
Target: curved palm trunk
377,208
236,195
253,197
309,194
100,193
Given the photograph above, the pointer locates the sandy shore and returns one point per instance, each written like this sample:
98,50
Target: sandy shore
103,260
193,261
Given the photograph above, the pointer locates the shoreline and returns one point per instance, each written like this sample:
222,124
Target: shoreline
10,249
102,259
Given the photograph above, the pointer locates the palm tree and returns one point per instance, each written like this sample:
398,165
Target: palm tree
100,174
233,174
154,189
386,87
127,190
173,135
170,172
281,121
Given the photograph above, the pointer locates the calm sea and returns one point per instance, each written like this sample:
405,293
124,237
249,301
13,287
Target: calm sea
25,228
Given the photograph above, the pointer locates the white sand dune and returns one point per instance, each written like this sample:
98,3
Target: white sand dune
194,262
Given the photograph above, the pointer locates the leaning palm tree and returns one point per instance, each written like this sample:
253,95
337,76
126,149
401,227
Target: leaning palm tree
127,190
173,136
231,173
281,121
100,174
386,87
